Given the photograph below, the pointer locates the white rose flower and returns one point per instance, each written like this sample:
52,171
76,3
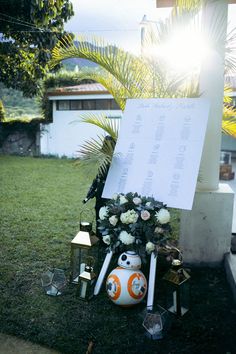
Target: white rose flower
163,216
106,239
113,220
145,215
130,217
103,212
137,200
150,247
126,238
123,200
159,230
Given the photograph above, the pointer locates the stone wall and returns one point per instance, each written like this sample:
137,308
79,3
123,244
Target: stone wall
20,138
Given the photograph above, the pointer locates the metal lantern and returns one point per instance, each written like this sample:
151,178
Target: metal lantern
86,283
53,281
81,247
177,289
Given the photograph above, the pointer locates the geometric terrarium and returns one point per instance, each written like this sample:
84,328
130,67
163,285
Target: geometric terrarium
156,323
54,281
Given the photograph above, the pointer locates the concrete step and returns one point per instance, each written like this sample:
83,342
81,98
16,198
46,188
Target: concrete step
230,267
14,345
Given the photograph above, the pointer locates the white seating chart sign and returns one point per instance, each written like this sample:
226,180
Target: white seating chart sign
159,149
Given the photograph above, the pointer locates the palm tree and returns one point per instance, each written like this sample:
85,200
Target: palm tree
126,76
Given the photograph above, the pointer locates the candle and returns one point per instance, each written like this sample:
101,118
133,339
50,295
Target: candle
82,268
83,289
175,301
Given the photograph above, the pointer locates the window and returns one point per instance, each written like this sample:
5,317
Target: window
63,105
75,105
87,105
114,105
102,104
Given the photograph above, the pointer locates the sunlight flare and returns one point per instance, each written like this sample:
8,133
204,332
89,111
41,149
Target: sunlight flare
183,52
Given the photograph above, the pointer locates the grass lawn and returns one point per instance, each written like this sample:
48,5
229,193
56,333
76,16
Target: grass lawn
40,204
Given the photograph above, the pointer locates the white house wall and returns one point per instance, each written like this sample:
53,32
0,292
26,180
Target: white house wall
66,134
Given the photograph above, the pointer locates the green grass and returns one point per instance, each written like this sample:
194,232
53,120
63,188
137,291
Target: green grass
40,205
41,201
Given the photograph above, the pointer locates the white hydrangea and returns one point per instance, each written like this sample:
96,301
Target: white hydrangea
130,217
126,238
106,239
113,220
103,212
123,200
150,247
163,216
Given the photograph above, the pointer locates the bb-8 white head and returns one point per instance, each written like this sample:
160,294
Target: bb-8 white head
129,260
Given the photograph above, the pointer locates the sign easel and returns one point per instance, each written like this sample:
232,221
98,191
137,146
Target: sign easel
159,147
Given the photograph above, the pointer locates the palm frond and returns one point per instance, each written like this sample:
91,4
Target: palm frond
229,127
230,52
110,126
229,121
227,91
127,68
95,152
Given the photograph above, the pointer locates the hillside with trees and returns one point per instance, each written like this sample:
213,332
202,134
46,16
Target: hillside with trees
18,107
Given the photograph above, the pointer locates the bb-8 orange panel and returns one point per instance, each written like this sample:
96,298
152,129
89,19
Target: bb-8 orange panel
126,287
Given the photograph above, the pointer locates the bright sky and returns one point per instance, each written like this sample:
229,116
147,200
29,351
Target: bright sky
118,21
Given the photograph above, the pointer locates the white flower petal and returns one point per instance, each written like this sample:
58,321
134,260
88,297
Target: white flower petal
163,216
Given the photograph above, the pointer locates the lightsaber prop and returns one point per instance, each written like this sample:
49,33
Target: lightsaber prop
151,282
102,273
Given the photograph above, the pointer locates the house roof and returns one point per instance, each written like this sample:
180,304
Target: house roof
84,89
98,89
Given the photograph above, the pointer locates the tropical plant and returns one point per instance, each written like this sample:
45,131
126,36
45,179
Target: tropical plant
125,75
29,30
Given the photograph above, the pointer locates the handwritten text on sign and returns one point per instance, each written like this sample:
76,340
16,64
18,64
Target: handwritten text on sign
159,149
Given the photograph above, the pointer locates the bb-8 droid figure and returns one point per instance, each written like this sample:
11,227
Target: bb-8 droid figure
126,285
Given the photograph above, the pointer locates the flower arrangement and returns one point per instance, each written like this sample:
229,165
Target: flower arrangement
134,222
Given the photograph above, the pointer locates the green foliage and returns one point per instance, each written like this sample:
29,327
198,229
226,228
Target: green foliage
2,111
18,107
30,29
64,78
